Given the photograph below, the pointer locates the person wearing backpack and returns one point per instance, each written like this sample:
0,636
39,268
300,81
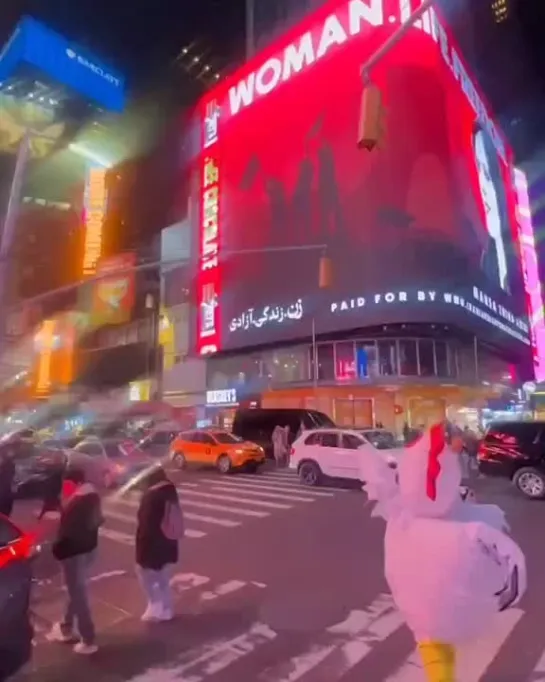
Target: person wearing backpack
158,531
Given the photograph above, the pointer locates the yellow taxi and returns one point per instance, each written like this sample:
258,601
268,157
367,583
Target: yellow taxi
218,448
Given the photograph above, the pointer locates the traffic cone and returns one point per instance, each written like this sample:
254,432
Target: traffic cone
439,661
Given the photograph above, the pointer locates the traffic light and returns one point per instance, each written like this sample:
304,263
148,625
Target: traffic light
372,124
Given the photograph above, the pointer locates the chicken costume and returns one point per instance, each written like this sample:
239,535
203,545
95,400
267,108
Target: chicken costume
449,564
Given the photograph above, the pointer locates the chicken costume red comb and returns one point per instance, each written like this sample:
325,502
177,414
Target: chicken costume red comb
437,445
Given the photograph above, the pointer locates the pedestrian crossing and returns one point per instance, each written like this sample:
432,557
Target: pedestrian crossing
212,502
367,638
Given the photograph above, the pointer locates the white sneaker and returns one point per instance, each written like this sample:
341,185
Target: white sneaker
166,615
85,649
56,634
151,614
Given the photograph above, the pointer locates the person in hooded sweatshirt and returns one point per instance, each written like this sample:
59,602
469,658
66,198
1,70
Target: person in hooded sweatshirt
156,544
450,565
75,547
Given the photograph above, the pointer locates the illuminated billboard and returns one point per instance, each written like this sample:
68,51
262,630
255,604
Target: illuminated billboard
113,299
530,268
421,229
94,215
36,50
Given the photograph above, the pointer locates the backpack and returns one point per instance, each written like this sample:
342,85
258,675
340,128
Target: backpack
172,525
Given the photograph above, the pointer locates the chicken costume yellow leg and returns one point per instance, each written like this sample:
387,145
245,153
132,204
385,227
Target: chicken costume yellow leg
450,564
438,660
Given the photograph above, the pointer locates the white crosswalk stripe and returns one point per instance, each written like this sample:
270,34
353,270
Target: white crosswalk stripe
332,655
253,483
211,503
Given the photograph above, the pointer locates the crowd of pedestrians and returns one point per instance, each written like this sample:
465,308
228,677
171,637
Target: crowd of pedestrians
77,508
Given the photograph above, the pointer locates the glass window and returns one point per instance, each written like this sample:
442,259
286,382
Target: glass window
351,442
313,439
441,358
232,372
345,361
288,365
326,362
329,440
8,532
408,357
114,450
387,358
366,359
226,438
427,357
453,364
204,438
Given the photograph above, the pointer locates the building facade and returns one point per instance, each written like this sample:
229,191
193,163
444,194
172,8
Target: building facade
425,316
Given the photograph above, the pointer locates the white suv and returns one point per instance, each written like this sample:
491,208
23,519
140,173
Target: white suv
333,453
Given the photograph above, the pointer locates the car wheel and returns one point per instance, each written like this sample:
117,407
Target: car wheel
224,464
531,483
179,460
310,474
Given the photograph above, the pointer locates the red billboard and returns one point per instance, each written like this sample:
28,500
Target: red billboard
422,228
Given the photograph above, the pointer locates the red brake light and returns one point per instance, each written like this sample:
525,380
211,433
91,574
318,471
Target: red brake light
18,550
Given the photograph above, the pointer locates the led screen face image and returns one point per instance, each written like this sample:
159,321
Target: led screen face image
421,228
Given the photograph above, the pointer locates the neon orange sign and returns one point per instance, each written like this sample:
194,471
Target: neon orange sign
45,340
95,212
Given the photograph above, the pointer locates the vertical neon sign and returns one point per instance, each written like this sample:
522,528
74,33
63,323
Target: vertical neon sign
530,270
209,319
95,212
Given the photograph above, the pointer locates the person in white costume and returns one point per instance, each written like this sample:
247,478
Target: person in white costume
450,564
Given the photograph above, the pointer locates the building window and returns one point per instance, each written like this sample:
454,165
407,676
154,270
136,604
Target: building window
287,366
367,359
408,358
426,357
245,371
325,362
441,359
452,357
387,358
345,361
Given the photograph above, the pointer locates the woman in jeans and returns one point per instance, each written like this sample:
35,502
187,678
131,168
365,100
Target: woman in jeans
154,551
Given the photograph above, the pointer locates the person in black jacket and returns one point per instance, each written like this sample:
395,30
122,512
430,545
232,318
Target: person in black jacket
154,551
74,547
7,477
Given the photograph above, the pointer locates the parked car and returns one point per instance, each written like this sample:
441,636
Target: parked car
257,424
516,451
216,448
35,464
109,462
157,443
16,553
333,453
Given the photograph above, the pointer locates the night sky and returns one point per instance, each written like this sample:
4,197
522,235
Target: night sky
139,37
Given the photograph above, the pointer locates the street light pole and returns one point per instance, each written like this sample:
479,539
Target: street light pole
395,38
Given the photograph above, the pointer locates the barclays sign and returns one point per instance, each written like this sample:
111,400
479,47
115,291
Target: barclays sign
37,47
98,70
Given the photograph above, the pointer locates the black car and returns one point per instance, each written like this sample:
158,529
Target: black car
35,465
516,450
256,425
16,554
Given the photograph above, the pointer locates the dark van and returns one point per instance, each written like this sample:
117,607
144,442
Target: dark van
516,450
258,424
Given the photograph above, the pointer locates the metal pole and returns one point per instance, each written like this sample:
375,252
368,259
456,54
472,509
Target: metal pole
476,354
315,365
250,28
394,39
10,219
160,263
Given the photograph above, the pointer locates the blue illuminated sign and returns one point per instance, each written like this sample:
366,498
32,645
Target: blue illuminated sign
34,45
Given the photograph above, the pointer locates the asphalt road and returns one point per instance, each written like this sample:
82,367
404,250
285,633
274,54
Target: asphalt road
277,583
